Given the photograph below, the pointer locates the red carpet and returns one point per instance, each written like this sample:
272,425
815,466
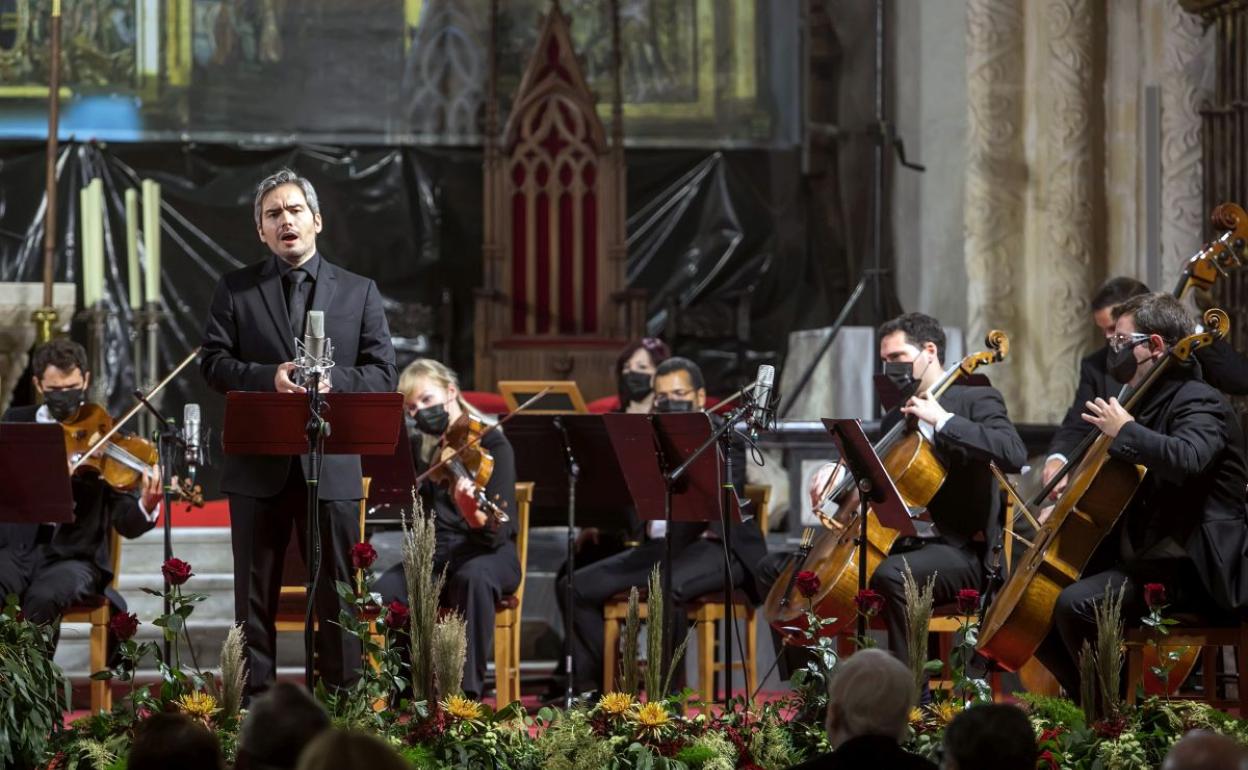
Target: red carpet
215,513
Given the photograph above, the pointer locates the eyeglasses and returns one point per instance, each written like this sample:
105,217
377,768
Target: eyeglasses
1119,342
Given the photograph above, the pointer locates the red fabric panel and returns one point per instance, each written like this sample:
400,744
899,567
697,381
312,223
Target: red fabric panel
543,263
489,403
604,405
589,257
567,261
519,264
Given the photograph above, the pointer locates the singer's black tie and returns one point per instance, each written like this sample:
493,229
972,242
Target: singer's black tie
297,299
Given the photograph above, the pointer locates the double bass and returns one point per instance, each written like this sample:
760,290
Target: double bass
908,457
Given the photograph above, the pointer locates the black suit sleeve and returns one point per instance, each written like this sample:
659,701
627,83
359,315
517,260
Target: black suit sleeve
986,433
219,361
374,370
1196,433
1073,427
1224,367
126,515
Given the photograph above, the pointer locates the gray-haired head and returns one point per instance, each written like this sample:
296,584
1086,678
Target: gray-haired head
871,693
281,177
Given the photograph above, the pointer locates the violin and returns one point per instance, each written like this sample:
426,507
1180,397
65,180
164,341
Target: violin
123,459
462,456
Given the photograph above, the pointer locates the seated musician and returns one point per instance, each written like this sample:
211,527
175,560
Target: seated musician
479,552
75,564
697,548
969,427
1185,527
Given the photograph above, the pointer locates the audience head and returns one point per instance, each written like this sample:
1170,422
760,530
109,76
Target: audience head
279,724
1204,750
679,386
990,737
634,369
341,750
1113,292
59,372
871,693
174,740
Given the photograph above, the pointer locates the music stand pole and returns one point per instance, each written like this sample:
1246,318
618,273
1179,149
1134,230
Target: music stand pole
574,471
168,438
317,431
864,498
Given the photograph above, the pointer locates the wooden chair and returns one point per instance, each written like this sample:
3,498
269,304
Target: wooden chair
707,612
97,612
1209,640
508,610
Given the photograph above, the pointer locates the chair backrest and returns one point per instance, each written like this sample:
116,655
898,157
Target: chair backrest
759,496
524,499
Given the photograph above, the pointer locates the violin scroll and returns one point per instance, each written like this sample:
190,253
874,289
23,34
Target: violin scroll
1217,325
999,341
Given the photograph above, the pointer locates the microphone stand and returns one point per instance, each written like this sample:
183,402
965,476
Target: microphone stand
318,430
574,471
168,442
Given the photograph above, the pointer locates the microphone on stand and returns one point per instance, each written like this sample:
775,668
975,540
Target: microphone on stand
190,437
759,417
317,349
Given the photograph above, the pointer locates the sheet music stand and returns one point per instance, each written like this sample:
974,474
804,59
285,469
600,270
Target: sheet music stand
876,492
278,424
34,475
392,478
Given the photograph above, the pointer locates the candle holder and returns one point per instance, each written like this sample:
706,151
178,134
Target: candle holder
45,319
96,318
147,340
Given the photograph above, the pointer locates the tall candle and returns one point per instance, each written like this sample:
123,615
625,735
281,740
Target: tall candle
97,237
151,238
133,273
84,242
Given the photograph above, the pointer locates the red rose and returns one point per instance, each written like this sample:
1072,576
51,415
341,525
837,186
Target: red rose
869,602
397,615
1048,760
370,612
176,571
807,583
363,555
124,625
968,601
1155,595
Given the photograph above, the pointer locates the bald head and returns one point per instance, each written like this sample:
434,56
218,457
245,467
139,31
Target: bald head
871,693
1203,750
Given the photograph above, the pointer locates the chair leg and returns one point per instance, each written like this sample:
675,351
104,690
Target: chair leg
1209,673
101,691
610,653
1241,672
706,662
513,660
1135,670
502,676
751,652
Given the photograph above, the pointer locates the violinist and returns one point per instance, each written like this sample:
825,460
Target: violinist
1185,527
76,562
477,549
969,428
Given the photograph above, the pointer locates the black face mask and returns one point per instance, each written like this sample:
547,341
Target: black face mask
672,405
1121,364
635,385
432,419
64,404
901,374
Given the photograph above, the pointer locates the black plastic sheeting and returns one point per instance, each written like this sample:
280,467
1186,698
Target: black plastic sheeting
704,229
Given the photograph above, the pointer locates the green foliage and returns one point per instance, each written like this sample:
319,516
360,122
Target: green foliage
424,587
31,689
655,637
630,675
1051,711
918,618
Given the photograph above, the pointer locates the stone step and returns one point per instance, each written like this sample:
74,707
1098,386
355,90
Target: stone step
218,587
206,548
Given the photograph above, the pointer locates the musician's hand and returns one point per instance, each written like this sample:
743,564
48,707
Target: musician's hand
819,481
1051,467
1107,416
466,501
1044,514
152,492
282,382
926,408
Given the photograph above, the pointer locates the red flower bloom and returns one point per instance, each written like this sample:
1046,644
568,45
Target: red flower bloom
1155,595
176,571
807,583
124,625
968,601
363,555
869,602
1051,733
370,612
397,615
1048,760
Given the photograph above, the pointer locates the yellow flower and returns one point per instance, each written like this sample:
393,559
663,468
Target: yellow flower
652,717
200,705
462,708
616,703
916,715
944,712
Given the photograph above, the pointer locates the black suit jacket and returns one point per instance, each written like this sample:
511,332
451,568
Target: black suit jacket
870,752
248,336
97,508
1191,503
969,502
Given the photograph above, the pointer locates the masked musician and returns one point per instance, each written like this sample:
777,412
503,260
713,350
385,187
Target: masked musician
697,548
76,563
478,551
1186,526
969,427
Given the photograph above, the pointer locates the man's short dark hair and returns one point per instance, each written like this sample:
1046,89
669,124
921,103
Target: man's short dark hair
678,364
174,740
279,724
1158,313
1117,290
993,736
63,353
919,330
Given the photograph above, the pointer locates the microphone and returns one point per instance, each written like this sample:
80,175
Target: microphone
317,349
190,437
760,399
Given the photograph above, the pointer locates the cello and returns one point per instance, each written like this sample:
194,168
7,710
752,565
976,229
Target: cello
911,463
1100,490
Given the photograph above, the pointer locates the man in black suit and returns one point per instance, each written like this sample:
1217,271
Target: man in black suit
697,547
969,427
1187,525
75,563
257,313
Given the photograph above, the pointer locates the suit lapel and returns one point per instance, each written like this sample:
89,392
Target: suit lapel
326,285
271,291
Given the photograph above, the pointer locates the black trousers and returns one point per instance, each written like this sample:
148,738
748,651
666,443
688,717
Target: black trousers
46,586
260,532
698,569
475,581
955,567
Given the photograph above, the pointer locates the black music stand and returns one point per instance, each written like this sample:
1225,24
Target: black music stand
34,474
392,481
278,424
876,492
